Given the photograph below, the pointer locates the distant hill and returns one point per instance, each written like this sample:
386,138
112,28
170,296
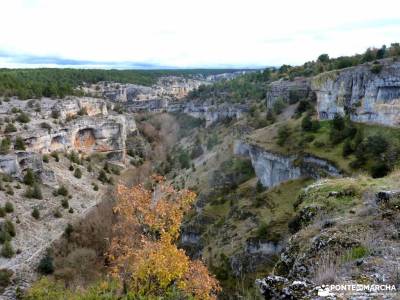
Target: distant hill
49,82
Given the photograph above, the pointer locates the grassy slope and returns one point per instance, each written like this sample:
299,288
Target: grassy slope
267,138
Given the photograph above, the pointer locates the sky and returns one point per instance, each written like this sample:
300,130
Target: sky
149,34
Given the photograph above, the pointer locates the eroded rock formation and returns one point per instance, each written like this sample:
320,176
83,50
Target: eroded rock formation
273,168
366,95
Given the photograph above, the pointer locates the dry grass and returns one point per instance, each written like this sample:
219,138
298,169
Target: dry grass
326,270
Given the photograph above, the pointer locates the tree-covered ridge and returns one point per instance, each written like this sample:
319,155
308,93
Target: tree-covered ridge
239,90
49,82
252,87
325,63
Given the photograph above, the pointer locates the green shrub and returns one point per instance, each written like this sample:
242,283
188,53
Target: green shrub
9,207
306,123
7,250
95,187
46,265
5,146
9,190
102,177
106,167
78,173
9,227
19,144
283,135
55,155
68,230
379,169
5,278
184,159
2,212
46,126
278,106
64,203
115,171
23,118
347,148
62,191
294,224
376,144
303,106
74,157
10,127
376,68
36,213
259,187
212,141
29,178
34,192
262,231
71,210
45,158
356,253
4,236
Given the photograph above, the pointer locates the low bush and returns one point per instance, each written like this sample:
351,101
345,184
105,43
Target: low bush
7,250
36,213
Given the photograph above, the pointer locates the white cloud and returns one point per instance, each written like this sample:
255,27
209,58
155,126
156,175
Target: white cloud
186,33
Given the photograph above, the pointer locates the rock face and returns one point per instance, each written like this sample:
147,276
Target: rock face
369,93
87,134
276,287
213,113
83,125
367,96
71,107
168,87
15,164
272,169
207,111
288,91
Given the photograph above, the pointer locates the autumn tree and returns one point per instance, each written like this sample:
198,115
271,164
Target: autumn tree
143,253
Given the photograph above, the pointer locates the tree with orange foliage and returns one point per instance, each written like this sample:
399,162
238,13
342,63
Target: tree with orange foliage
143,253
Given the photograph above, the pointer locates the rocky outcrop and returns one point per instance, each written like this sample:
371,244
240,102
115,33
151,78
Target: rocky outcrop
276,287
288,91
207,111
14,164
166,88
82,124
368,93
214,113
86,134
85,105
272,168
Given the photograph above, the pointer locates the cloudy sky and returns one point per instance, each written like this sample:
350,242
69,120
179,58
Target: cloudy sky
188,33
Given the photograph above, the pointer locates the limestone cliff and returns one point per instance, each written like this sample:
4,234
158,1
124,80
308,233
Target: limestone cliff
366,95
94,131
273,169
288,91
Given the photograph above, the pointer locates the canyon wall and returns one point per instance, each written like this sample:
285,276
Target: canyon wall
273,168
288,91
368,93
83,125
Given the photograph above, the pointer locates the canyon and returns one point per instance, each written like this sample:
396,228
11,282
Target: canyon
98,128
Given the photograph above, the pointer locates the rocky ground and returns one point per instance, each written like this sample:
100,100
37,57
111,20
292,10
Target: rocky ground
35,236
